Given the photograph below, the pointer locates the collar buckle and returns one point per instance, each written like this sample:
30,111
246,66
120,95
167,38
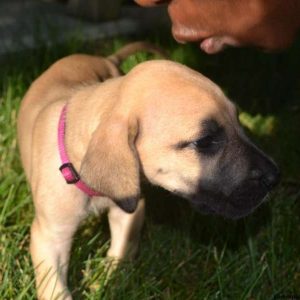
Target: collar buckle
69,173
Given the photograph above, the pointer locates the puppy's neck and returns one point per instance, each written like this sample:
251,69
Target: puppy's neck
85,110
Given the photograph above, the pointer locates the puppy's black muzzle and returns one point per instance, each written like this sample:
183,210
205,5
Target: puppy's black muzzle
237,190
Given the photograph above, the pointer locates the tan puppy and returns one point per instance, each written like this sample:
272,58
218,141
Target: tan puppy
163,120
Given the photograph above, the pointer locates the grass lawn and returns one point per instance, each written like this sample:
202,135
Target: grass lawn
183,254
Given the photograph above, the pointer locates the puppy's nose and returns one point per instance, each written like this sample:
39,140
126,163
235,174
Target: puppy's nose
271,179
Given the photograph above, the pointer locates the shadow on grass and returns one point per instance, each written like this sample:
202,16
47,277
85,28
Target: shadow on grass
170,223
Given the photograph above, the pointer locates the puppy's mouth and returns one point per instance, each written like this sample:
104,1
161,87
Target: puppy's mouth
240,203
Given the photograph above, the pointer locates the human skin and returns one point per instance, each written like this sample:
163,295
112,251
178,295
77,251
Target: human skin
214,24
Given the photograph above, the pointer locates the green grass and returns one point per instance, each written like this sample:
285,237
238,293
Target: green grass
183,255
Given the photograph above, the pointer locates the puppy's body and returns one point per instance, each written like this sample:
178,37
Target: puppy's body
60,207
162,119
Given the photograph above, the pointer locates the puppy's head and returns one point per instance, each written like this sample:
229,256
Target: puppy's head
188,140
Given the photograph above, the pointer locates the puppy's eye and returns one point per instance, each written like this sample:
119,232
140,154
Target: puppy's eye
204,143
208,145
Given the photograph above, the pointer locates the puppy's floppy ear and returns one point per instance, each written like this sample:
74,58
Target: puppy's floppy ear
111,165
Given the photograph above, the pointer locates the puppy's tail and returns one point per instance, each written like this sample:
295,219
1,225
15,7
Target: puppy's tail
118,57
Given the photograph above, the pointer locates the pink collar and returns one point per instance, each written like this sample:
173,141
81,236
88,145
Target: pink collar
67,169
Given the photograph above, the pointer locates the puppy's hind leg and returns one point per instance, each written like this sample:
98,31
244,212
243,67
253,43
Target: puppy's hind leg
51,239
125,231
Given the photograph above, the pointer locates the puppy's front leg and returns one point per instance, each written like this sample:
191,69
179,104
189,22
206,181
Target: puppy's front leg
48,253
125,231
51,239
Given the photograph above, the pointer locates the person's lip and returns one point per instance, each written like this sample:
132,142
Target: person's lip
214,45
209,44
183,34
